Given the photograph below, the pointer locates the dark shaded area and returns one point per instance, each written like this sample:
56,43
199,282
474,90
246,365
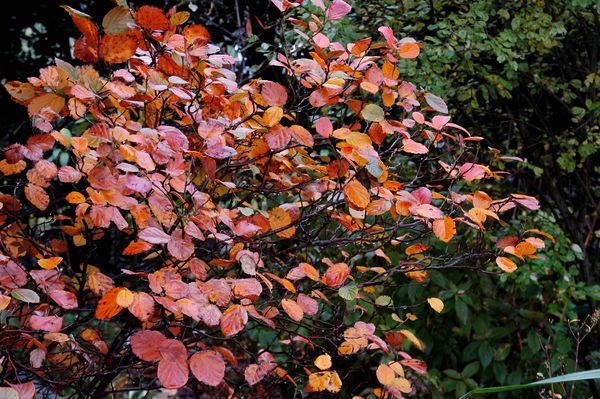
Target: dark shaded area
35,32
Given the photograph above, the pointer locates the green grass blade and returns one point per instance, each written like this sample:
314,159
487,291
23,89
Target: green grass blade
578,376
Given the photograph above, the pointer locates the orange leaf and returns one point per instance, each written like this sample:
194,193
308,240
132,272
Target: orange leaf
408,48
49,263
115,49
108,306
196,32
357,195
445,228
506,264
37,196
385,374
151,18
137,247
412,147
279,219
336,275
292,309
310,271
272,116
75,197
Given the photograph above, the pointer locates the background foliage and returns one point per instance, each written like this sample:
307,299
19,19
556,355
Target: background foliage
523,74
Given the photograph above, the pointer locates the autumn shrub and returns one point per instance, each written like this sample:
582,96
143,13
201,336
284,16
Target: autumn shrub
167,219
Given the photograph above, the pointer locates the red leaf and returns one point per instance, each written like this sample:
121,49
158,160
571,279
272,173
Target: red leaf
173,350
145,344
233,320
208,367
274,94
173,375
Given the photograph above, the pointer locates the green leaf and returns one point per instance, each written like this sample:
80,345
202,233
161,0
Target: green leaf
8,393
462,311
486,354
578,376
25,295
384,300
348,292
374,169
533,341
470,369
373,113
436,103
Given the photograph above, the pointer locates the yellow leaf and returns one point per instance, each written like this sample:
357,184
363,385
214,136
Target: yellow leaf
124,297
413,339
335,383
402,384
281,218
506,264
318,381
385,374
179,18
436,304
272,116
323,362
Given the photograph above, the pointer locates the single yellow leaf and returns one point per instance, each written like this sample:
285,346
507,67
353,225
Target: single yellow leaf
413,339
124,297
179,18
323,362
436,304
272,116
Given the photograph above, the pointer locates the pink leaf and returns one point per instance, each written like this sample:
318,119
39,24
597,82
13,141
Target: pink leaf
337,10
324,126
154,235
64,299
46,323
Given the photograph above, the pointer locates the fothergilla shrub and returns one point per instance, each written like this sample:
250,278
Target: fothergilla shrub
168,226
